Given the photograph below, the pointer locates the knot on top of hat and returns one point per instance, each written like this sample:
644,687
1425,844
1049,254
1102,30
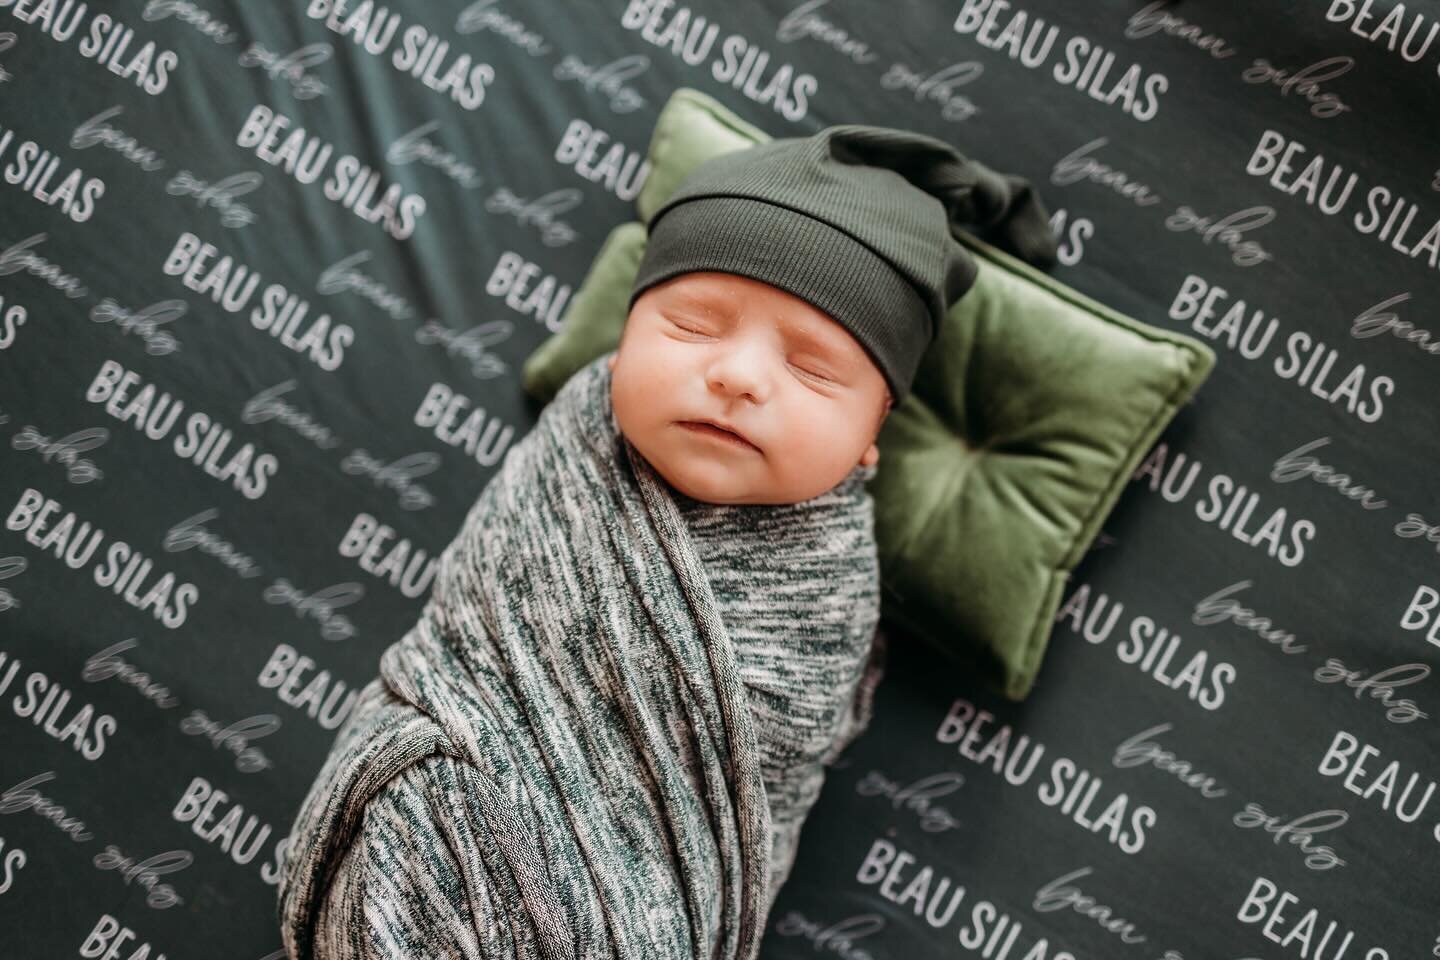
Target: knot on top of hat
1003,208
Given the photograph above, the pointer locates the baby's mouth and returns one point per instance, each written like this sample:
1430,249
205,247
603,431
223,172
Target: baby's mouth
725,436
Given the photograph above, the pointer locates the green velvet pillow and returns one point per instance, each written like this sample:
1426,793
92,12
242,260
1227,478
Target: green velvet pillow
1028,414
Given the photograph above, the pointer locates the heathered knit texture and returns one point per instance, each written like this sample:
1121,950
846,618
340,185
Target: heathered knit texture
857,220
803,622
577,750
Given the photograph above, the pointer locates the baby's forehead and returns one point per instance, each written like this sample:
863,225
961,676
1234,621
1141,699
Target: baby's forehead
727,295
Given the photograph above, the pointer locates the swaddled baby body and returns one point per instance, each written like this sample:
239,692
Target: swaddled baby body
605,730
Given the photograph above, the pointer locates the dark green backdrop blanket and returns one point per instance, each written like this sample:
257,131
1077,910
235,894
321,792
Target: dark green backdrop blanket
602,734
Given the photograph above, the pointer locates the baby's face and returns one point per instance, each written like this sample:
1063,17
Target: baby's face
725,348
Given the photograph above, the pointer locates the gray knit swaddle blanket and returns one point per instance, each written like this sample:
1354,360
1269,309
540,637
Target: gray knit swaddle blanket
604,731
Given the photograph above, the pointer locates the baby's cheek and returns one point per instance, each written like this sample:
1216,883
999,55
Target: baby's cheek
635,413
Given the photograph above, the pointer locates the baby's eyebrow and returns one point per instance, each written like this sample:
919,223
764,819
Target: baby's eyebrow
706,304
795,329
811,338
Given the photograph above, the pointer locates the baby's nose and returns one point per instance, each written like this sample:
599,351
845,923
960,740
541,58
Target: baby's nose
740,371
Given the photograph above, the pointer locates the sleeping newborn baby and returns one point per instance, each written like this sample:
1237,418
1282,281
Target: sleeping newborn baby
657,624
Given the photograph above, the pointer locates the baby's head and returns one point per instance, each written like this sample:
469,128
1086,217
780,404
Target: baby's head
721,347
788,291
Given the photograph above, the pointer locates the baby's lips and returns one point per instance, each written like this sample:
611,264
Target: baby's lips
737,434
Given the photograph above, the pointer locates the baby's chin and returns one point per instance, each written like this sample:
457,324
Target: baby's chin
714,483
707,484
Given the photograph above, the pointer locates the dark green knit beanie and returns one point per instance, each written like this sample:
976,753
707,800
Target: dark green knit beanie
858,221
